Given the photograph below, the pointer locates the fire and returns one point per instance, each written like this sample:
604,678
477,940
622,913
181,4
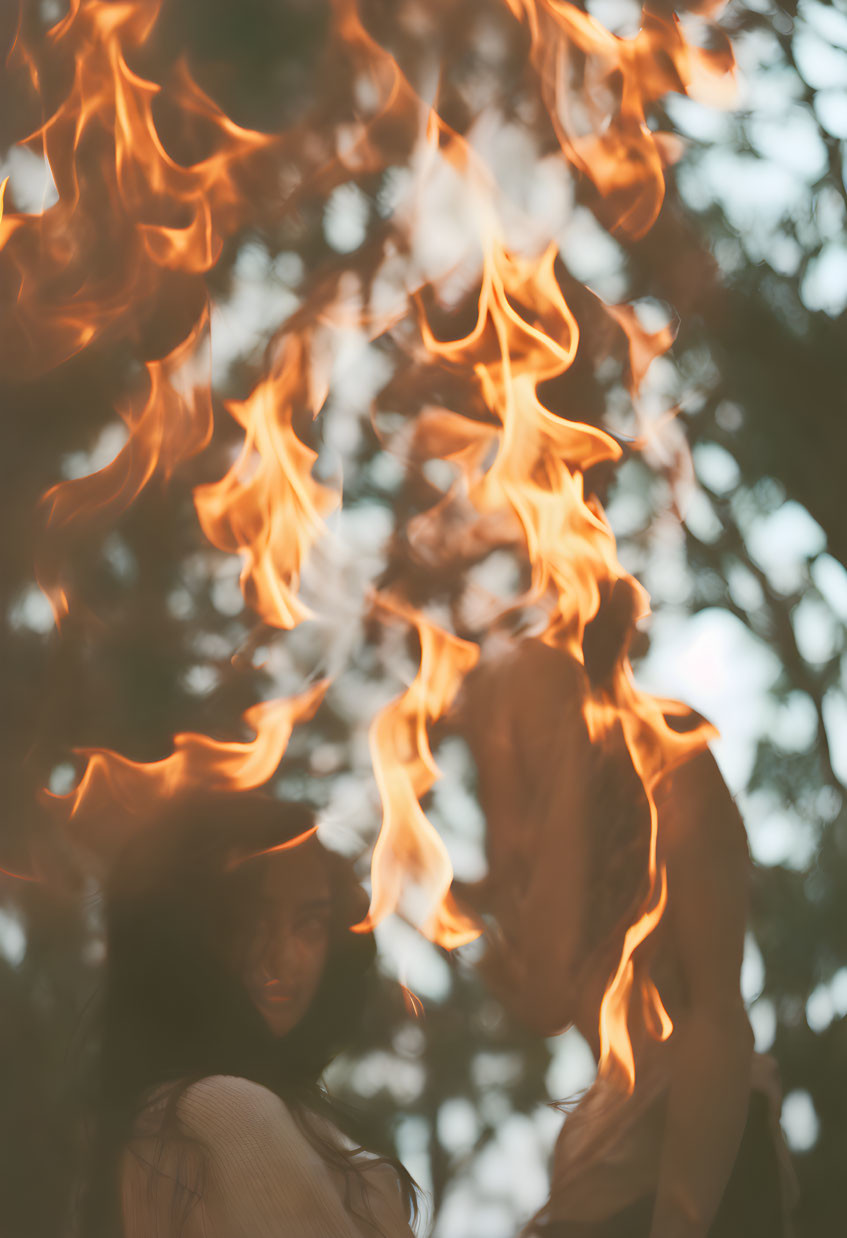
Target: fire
286,846
130,220
268,507
173,423
643,346
525,334
127,212
537,471
602,123
413,1003
8,872
112,784
654,747
408,847
149,215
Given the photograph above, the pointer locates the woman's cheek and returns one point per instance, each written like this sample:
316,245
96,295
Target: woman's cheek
315,947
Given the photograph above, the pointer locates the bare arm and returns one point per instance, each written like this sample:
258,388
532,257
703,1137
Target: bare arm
522,718
708,871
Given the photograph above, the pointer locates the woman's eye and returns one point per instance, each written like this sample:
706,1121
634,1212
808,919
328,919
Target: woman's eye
314,925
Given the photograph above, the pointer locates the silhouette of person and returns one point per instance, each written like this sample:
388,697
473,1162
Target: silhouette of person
694,1149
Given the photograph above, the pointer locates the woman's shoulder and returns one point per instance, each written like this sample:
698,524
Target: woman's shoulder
262,1170
697,811
230,1090
226,1109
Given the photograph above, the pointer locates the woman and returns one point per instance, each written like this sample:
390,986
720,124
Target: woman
695,1150
232,978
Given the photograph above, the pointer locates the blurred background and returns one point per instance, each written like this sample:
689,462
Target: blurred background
743,555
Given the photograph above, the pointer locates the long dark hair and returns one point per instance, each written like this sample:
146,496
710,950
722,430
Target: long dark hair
173,1009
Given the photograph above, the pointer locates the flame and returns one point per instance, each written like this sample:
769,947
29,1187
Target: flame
414,1005
128,222
112,782
602,125
8,872
643,346
97,259
657,1019
268,507
408,847
394,100
103,251
540,459
173,423
289,845
654,748
526,333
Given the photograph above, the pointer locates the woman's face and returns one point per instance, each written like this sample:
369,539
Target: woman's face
286,958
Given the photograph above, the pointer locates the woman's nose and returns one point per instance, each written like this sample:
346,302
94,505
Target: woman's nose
281,958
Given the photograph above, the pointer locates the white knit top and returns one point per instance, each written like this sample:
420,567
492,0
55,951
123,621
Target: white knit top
244,1169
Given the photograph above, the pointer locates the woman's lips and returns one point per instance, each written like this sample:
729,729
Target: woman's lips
272,993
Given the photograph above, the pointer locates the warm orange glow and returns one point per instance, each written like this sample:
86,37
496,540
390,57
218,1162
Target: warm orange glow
289,845
409,850
655,1016
615,1045
173,423
129,218
413,1003
654,749
100,254
7,872
537,471
95,259
112,782
599,88
526,333
644,346
392,94
268,507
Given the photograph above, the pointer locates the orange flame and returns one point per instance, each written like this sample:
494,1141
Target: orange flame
289,845
393,95
98,254
526,333
537,471
412,1002
268,507
602,125
8,872
113,782
408,847
164,216
643,346
654,748
161,215
173,424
